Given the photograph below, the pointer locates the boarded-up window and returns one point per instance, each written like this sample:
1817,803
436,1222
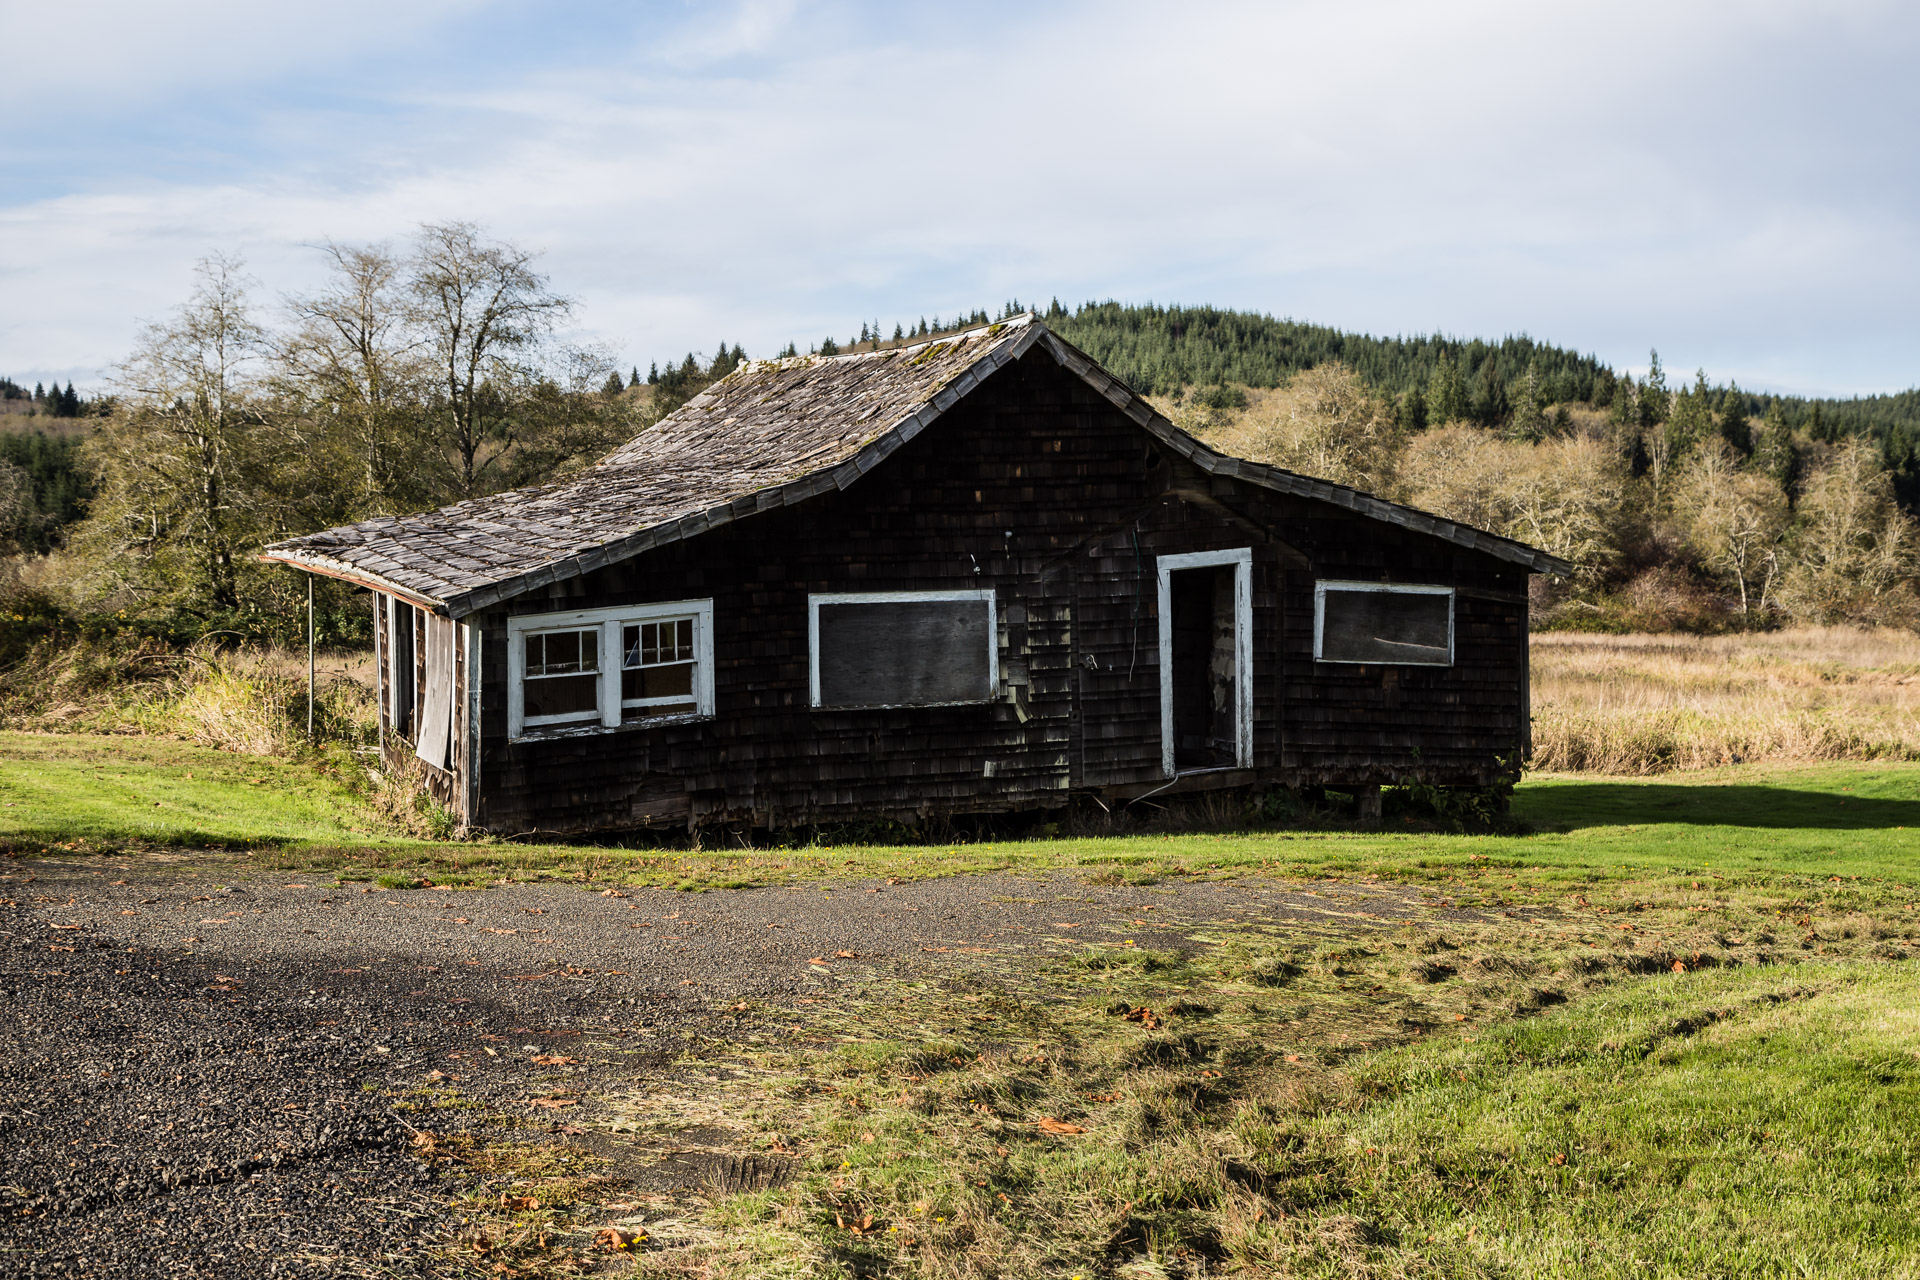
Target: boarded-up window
1368,622
910,649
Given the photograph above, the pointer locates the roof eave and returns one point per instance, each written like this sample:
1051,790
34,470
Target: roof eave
330,568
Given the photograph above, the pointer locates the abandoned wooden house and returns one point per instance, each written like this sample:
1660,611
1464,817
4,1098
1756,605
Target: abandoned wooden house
973,575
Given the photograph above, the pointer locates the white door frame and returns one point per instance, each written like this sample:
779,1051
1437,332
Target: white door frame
1241,558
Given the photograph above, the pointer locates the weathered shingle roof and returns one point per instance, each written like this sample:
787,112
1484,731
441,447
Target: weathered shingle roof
771,433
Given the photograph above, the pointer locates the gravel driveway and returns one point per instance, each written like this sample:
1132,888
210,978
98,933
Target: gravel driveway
200,1055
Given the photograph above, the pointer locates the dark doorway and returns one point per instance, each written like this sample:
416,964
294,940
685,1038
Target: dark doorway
1201,685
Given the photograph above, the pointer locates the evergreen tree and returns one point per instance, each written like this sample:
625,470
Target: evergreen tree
1446,400
1412,411
1734,428
899,333
39,394
1656,402
613,386
828,347
634,381
653,372
1529,415
1774,452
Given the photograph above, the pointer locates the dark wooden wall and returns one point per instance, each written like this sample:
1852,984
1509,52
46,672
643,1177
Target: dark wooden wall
1040,489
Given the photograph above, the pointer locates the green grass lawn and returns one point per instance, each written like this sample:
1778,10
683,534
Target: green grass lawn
1826,820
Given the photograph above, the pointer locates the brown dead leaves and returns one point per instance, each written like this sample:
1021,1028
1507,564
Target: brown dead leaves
553,1060
1142,1015
1053,1124
619,1239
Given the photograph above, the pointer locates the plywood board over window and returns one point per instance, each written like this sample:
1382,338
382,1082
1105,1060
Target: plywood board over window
902,648
1387,624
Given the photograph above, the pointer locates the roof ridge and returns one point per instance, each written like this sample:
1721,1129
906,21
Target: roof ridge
990,329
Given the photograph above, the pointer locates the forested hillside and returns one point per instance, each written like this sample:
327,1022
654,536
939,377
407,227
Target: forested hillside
1696,505
1433,379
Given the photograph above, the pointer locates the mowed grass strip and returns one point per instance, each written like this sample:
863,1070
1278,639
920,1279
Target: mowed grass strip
1809,821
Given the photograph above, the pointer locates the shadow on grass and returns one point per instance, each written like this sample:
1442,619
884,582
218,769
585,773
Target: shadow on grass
1571,805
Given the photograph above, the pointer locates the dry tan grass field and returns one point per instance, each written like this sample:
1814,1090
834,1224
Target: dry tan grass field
1640,704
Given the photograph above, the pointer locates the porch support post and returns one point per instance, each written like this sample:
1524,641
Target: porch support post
309,657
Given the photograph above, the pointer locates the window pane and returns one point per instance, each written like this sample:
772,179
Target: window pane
556,653
904,653
1385,626
562,695
675,680
644,644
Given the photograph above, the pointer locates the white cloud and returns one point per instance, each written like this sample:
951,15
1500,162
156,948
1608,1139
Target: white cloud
1713,179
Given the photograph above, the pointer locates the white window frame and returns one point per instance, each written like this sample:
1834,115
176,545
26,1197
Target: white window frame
814,601
1241,558
608,623
1320,590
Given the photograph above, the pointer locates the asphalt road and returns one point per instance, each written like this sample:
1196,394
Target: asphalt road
198,1060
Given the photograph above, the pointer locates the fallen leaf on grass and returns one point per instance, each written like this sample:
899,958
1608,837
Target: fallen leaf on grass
1293,1057
1062,925
612,893
1052,1124
618,1239
499,931
1144,1016
816,959
844,955
553,1060
1679,966
521,1203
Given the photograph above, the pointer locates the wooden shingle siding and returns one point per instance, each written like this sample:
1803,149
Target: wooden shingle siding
1038,487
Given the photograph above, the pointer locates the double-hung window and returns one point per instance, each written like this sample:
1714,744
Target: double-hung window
602,668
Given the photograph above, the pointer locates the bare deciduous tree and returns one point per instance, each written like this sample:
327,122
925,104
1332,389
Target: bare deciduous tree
173,462
1733,518
352,358
1323,423
483,311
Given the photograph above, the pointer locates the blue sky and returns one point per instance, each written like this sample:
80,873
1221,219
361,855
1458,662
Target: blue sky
1735,183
